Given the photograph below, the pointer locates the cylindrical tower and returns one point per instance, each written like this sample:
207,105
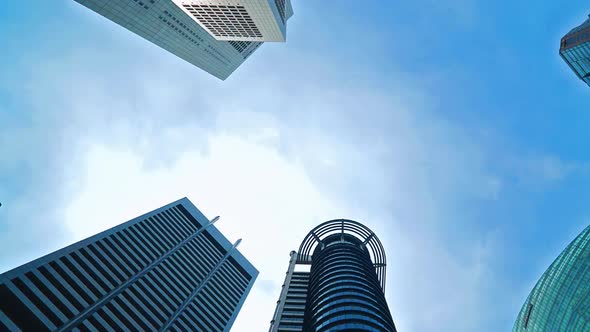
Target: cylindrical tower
347,279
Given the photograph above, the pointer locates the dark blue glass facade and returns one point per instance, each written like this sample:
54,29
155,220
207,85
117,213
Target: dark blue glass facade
343,289
344,292
168,270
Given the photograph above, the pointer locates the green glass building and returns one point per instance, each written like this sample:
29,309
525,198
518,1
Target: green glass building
560,302
575,50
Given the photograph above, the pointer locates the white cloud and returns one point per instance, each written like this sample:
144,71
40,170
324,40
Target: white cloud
261,197
305,143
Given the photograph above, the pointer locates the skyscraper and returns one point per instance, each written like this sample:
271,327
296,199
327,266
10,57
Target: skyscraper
252,20
216,36
168,270
575,50
560,301
335,282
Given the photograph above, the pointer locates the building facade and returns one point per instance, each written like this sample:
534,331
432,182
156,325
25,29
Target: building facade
168,270
575,50
176,28
560,301
335,282
252,20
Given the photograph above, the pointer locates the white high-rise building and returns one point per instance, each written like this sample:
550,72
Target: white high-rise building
241,20
177,29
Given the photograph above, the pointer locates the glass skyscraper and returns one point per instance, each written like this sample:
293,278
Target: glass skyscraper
561,299
575,50
335,282
180,28
168,270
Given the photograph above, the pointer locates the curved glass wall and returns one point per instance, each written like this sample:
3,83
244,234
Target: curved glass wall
561,299
345,293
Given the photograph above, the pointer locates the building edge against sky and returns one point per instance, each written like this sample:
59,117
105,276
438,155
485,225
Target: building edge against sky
165,24
575,50
560,301
336,280
169,269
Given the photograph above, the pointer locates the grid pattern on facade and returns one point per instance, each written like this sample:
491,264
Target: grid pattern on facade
225,21
164,272
281,7
561,299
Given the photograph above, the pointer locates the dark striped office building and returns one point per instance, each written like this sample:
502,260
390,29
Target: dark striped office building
335,282
168,270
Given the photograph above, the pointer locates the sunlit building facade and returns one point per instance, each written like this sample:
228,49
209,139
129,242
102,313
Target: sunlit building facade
251,20
575,50
560,301
215,36
168,270
335,282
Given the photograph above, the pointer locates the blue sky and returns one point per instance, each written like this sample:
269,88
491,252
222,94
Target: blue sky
451,128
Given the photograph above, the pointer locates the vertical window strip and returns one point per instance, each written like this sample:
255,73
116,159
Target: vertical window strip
96,275
84,296
212,313
113,264
178,282
112,320
141,246
118,251
157,252
228,285
163,233
196,250
159,246
199,249
36,302
126,315
103,268
190,314
148,288
70,265
166,287
145,313
171,233
221,293
72,293
97,320
189,224
130,249
181,322
185,274
195,263
183,221
214,302
58,293
203,316
173,222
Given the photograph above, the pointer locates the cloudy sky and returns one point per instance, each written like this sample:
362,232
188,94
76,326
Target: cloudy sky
451,128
